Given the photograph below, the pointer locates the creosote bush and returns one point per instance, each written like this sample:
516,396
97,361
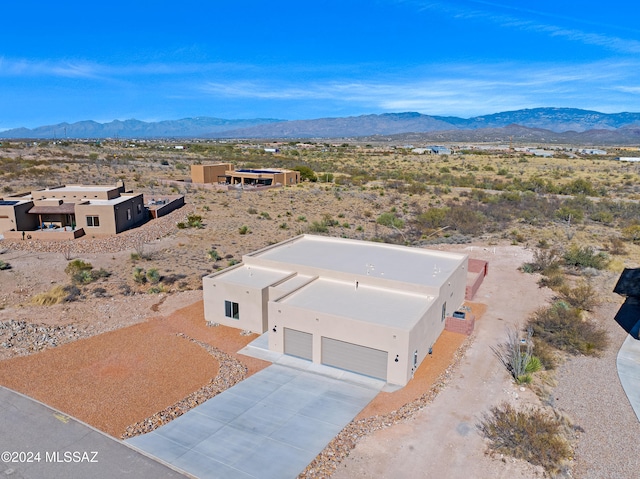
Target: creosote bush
533,435
585,257
582,296
562,327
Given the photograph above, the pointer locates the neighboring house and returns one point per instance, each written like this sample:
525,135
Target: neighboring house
631,159
226,174
70,211
628,315
373,308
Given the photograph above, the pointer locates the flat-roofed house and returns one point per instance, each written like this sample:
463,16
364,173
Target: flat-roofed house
372,308
225,173
72,210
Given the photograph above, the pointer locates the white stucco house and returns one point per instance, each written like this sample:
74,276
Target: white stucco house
372,308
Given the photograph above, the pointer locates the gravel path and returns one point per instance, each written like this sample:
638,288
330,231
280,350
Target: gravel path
589,392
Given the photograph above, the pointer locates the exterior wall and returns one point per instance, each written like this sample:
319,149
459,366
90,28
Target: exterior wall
15,217
69,194
480,269
384,338
291,177
113,217
172,204
252,304
423,336
135,204
459,325
209,173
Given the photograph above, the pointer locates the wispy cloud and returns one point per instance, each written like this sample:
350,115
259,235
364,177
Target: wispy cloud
94,70
455,89
515,17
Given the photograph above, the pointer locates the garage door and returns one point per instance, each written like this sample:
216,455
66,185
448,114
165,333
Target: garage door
298,343
353,357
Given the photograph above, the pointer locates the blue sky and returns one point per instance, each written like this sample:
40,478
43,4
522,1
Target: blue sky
156,60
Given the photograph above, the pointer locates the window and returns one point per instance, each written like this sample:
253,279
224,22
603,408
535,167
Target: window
231,310
128,214
444,311
93,221
139,208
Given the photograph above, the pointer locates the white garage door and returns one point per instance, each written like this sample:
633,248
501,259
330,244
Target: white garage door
298,343
353,357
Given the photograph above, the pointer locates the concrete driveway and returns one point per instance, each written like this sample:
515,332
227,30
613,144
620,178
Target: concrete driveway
271,425
37,441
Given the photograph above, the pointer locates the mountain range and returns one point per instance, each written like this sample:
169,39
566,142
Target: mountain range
555,125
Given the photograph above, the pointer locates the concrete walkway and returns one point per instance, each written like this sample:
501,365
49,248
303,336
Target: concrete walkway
271,425
56,446
628,364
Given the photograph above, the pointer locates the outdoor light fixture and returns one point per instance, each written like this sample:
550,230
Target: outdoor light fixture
274,329
430,350
396,360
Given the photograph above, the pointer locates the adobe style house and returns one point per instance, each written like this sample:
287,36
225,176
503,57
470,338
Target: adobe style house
226,174
70,211
372,308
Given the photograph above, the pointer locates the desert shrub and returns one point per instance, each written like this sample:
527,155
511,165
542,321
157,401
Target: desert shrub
153,276
194,221
213,254
465,220
390,219
82,277
76,266
57,294
82,272
533,435
563,328
544,261
545,354
4,265
243,230
139,275
631,233
552,279
318,227
265,215
432,218
616,246
252,211
306,173
582,296
515,355
585,257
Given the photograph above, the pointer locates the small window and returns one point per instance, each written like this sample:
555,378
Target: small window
93,221
139,208
128,214
444,311
231,310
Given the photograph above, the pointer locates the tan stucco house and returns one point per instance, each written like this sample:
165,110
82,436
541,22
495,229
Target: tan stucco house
225,173
372,308
70,211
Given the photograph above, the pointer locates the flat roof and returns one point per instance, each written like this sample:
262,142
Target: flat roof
364,258
83,188
375,305
112,201
254,277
